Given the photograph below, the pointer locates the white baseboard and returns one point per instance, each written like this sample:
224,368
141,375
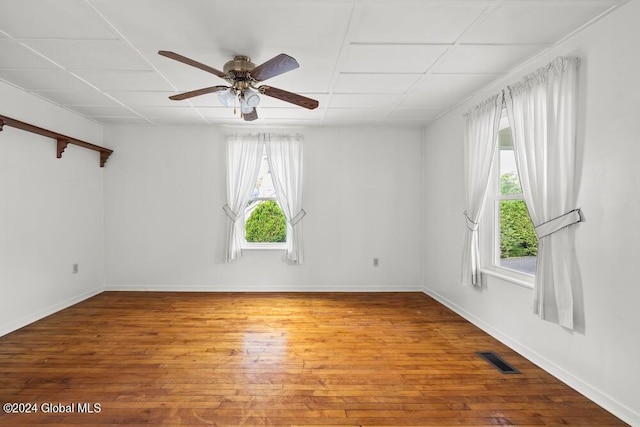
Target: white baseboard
40,314
618,409
254,288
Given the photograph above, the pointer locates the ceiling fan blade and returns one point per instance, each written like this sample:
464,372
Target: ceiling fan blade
188,61
274,67
251,116
293,98
198,92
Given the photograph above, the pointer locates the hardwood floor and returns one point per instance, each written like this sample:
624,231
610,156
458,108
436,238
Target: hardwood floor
395,359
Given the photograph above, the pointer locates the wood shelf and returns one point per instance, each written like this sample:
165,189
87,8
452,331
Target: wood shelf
62,140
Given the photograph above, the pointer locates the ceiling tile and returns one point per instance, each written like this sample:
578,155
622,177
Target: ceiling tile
291,113
444,90
15,55
90,54
347,114
290,122
218,112
406,123
144,98
125,80
471,59
428,22
413,114
362,100
391,58
77,97
182,112
121,120
40,79
375,83
68,19
520,22
179,121
102,111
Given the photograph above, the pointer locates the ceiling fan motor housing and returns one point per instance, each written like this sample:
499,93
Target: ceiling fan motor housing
237,71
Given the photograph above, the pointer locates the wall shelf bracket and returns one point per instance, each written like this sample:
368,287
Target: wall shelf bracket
62,145
104,155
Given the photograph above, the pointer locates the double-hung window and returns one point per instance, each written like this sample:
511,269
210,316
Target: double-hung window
511,242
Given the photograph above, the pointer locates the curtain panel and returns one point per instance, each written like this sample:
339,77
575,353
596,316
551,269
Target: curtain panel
244,153
542,110
480,142
284,154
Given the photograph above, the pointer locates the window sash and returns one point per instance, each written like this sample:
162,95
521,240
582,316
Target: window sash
491,233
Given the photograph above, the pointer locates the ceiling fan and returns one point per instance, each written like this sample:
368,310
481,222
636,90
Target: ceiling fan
243,75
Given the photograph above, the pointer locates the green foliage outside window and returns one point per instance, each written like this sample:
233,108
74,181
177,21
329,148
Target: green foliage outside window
266,224
517,235
509,184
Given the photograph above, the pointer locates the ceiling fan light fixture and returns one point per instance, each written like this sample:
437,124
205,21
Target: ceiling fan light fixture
251,97
227,97
244,107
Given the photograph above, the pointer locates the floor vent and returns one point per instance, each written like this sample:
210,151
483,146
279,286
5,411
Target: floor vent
497,362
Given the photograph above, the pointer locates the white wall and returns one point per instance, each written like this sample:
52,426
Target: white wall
51,212
600,359
165,228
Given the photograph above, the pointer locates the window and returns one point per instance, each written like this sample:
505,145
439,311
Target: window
265,226
515,243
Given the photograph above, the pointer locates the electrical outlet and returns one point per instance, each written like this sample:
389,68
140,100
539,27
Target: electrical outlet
376,262
75,268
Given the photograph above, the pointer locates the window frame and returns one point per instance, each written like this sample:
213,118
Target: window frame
489,232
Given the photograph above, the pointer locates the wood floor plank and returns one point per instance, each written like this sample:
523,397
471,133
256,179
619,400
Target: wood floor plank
341,359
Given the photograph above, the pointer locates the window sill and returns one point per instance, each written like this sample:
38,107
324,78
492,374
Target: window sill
506,275
264,247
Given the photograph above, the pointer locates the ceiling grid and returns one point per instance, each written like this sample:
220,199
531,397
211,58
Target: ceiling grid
383,62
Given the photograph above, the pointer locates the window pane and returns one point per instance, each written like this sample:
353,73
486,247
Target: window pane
518,239
264,184
265,223
509,181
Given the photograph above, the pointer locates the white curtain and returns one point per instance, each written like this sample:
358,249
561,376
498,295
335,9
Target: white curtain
285,163
244,154
480,141
542,115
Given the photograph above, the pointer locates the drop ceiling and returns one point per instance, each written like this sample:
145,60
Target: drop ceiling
389,62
